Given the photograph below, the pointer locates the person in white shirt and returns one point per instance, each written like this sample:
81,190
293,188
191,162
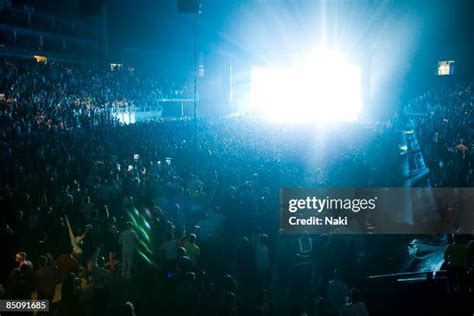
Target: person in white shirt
127,241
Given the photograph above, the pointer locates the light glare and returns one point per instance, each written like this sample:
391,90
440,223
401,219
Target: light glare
324,89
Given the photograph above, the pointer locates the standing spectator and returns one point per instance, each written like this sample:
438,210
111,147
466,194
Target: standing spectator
100,285
456,257
265,304
128,309
192,250
67,264
22,261
183,262
76,239
228,304
354,307
71,293
262,261
337,292
170,249
16,286
470,247
127,241
188,291
45,279
26,269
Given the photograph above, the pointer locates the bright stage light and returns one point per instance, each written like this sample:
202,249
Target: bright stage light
325,89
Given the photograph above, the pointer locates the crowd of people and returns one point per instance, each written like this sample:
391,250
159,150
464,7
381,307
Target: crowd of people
179,217
444,125
443,119
37,96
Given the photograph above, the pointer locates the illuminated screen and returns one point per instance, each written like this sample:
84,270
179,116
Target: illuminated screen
329,91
